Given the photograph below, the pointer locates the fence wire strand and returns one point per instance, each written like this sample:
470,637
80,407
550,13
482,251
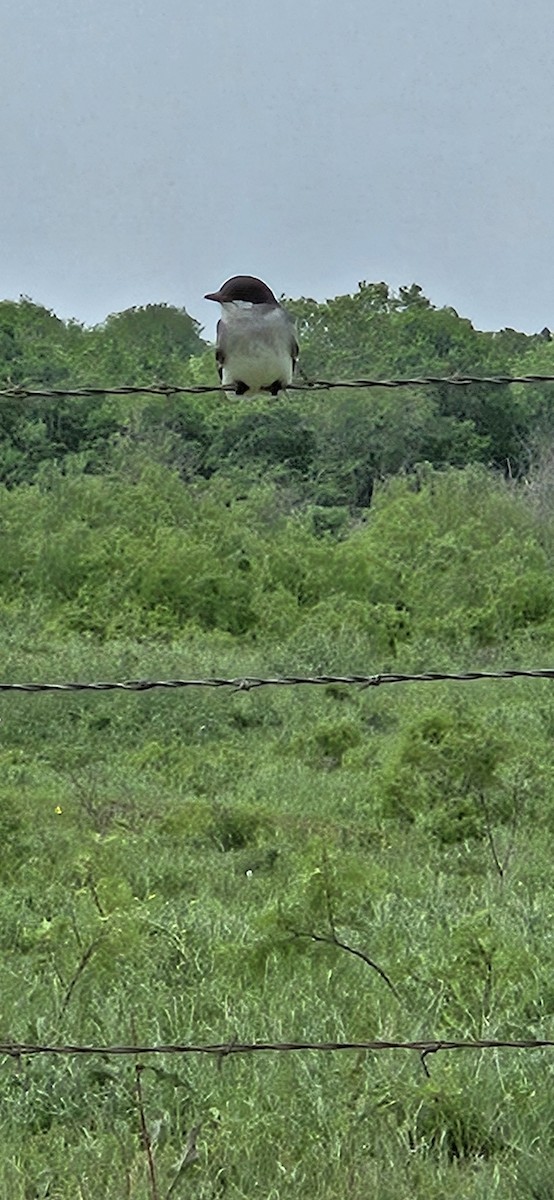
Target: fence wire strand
21,392
225,1049
251,682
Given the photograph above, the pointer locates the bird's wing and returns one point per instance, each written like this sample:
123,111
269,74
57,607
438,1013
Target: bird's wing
220,348
294,347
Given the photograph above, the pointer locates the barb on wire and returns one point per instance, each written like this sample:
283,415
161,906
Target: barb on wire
250,682
21,392
432,1046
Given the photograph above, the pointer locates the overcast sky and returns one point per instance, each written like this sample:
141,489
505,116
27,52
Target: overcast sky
151,148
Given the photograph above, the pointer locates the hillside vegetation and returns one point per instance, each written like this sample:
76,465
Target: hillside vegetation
180,867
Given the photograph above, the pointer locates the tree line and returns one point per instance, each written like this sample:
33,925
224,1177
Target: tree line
327,449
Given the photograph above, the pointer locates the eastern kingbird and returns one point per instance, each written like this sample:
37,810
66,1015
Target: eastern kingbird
256,347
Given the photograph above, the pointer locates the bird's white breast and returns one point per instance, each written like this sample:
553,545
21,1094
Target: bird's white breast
258,345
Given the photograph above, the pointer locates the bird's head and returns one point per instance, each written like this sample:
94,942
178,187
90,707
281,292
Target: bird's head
244,289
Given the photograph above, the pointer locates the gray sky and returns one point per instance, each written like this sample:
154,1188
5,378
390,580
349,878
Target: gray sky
151,148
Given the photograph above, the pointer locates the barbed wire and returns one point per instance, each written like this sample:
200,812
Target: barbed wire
21,392
223,1049
251,682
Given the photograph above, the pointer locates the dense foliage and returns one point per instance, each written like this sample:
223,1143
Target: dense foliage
332,447
179,867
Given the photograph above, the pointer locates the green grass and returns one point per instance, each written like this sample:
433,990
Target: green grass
159,853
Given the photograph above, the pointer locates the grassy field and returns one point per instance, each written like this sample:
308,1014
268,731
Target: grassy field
162,853
178,867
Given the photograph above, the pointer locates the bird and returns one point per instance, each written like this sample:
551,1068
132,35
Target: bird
256,347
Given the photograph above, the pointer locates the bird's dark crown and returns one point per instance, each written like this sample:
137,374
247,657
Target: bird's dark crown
243,287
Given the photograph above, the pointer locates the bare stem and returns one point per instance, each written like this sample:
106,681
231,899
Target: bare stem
85,958
145,1136
333,940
